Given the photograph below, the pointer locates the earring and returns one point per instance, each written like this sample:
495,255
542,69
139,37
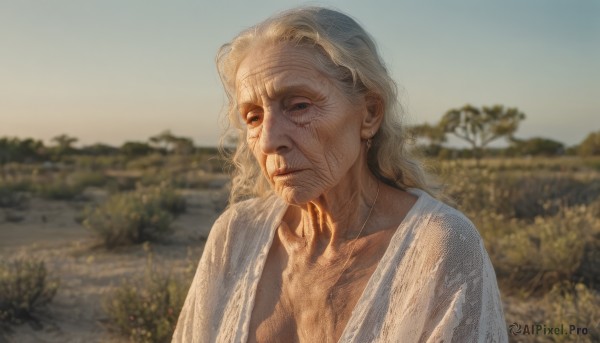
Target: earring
369,143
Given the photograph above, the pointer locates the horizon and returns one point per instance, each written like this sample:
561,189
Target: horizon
108,72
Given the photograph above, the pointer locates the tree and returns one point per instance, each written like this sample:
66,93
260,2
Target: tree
99,149
479,127
134,149
164,140
64,143
433,134
168,143
183,146
537,146
590,145
17,150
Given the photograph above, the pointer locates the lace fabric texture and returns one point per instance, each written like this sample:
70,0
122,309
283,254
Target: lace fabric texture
435,282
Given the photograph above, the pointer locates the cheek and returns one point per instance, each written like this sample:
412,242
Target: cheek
341,144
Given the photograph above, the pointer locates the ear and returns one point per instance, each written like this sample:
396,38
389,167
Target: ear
373,115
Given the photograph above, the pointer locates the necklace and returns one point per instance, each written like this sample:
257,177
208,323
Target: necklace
330,296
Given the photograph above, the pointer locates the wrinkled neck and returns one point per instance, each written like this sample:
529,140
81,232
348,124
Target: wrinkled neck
337,216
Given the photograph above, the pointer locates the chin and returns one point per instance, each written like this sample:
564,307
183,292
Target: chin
296,195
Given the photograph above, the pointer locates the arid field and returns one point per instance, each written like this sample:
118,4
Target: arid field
87,274
119,240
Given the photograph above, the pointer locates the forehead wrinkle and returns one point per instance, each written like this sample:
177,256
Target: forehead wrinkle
272,75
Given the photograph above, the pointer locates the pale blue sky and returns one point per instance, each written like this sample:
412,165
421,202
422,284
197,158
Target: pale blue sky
116,70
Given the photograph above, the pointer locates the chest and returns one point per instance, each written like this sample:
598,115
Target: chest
303,300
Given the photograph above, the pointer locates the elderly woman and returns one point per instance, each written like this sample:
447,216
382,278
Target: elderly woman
333,233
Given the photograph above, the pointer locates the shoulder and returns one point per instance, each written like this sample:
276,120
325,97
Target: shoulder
447,230
248,213
254,209
240,230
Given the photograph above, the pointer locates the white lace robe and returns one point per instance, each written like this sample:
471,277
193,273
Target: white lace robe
435,282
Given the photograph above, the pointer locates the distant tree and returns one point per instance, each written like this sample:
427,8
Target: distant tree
99,149
17,150
590,145
537,146
169,143
64,144
571,150
479,127
183,146
433,135
134,149
164,140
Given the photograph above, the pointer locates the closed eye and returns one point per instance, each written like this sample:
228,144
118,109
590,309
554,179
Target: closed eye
300,106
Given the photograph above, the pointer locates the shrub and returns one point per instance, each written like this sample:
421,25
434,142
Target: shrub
590,145
566,304
550,250
146,162
146,309
24,288
575,304
135,217
12,191
167,199
68,186
83,179
10,198
58,190
517,194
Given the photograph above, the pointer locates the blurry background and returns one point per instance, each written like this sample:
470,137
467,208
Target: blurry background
110,180
112,71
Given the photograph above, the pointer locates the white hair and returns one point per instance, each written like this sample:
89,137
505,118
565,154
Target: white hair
349,55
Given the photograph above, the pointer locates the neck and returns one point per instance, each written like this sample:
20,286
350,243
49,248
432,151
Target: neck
337,217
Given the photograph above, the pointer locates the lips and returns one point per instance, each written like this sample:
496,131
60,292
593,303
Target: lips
285,171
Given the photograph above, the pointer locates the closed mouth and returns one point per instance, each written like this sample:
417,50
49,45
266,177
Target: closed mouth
284,172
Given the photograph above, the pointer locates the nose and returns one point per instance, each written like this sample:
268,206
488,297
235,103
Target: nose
273,137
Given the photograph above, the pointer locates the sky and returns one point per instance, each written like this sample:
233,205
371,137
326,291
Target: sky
112,71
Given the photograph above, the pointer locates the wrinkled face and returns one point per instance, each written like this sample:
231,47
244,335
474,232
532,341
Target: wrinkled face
303,131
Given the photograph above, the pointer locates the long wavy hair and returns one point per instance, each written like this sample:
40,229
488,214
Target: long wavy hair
350,57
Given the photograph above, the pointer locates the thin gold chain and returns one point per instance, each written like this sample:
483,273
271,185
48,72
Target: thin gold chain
354,243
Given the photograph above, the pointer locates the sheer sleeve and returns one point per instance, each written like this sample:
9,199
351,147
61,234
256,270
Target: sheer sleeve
434,284
220,300
467,305
195,323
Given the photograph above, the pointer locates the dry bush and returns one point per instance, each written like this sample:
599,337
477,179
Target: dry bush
517,194
13,190
57,189
565,304
11,198
147,308
24,288
153,161
67,185
540,222
135,217
167,198
549,250
540,227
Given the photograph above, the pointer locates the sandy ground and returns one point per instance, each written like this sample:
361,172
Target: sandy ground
49,230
